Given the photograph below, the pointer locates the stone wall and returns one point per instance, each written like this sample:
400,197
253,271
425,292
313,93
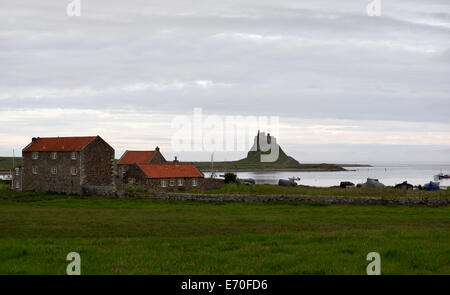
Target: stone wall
157,158
44,180
99,190
210,183
308,199
97,167
137,177
134,175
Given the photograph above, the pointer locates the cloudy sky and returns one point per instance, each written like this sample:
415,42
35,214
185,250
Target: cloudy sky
346,87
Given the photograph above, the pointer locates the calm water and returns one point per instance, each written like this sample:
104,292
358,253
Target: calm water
388,174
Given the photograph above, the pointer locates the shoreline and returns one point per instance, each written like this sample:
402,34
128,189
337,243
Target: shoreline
275,170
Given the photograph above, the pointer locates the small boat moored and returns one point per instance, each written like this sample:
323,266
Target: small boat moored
441,176
431,186
291,181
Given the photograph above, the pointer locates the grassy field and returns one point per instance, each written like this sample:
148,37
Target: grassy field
134,236
6,163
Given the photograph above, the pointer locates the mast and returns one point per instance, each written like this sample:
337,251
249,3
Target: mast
12,171
212,165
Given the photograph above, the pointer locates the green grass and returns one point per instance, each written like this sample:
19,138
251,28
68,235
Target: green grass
135,236
266,189
6,163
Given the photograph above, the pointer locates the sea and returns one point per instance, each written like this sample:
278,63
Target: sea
389,174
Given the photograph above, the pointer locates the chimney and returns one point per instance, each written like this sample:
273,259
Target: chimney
176,162
269,139
34,139
157,149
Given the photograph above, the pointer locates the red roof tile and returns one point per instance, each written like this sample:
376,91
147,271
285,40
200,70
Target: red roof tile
170,170
59,144
136,157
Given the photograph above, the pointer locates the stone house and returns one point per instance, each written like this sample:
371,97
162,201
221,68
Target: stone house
73,165
129,158
168,177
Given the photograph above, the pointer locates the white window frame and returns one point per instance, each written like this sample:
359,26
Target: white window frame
35,155
163,182
34,169
17,171
172,182
53,169
74,171
17,184
73,156
53,155
194,181
180,181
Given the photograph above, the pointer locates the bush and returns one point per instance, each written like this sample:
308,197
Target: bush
135,189
230,178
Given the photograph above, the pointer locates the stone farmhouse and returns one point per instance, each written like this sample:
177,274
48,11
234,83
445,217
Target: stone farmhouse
167,176
73,165
86,165
129,158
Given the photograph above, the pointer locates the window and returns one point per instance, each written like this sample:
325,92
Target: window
35,155
35,169
17,184
53,155
17,171
180,181
73,170
73,156
172,182
163,183
54,170
194,181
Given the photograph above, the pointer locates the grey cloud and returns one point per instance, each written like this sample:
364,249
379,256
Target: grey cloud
304,59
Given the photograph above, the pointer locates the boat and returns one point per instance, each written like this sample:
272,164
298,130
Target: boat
431,186
285,182
291,181
294,178
441,176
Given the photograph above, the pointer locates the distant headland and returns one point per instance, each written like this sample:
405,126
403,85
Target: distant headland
260,149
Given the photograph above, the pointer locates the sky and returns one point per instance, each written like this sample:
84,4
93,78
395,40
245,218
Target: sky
345,86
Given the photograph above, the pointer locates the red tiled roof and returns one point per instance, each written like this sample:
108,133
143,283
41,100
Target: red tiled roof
170,170
59,144
136,157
